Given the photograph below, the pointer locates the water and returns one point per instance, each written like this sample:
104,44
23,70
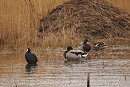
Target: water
107,68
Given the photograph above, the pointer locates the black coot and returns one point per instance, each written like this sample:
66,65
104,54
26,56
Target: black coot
30,57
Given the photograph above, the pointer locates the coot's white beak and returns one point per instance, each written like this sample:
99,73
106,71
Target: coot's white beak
27,50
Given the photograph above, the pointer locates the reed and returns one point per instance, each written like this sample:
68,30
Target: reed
62,38
19,22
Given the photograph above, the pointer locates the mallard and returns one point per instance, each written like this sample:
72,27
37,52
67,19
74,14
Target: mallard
84,46
71,54
99,45
30,57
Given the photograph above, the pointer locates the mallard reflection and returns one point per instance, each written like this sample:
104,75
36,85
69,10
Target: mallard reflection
71,62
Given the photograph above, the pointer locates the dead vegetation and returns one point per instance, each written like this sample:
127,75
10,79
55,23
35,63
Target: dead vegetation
89,18
19,21
66,24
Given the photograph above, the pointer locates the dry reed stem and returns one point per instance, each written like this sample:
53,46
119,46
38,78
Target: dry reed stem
62,38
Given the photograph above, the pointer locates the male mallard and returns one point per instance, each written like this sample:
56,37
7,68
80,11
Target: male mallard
30,57
84,46
99,45
71,54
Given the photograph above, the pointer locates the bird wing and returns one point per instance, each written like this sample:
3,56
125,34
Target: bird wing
76,52
72,55
31,57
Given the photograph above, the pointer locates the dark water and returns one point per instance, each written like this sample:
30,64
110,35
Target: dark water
53,70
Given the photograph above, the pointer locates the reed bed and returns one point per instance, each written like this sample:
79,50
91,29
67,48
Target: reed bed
61,39
20,20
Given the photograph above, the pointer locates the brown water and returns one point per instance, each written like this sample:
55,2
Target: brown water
54,71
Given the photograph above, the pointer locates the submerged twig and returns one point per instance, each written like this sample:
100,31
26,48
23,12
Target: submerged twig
15,84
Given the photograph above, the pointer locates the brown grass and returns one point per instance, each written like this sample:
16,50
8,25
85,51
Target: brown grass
19,22
62,38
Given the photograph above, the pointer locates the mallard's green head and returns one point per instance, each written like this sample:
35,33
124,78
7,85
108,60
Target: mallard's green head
69,48
86,41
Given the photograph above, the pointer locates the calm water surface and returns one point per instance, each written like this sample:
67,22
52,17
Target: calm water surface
107,68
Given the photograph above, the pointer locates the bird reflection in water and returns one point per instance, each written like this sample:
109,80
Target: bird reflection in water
31,68
71,62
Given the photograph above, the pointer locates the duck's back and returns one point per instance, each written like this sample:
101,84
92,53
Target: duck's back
31,58
75,54
71,56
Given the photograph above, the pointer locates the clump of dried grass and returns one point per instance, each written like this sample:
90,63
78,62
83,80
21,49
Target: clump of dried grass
91,18
62,38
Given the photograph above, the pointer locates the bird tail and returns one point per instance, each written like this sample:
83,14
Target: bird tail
84,55
105,46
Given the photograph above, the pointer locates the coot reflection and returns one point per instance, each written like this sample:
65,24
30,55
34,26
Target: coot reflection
31,67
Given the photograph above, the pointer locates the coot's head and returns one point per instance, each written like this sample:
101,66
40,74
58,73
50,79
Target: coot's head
28,50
